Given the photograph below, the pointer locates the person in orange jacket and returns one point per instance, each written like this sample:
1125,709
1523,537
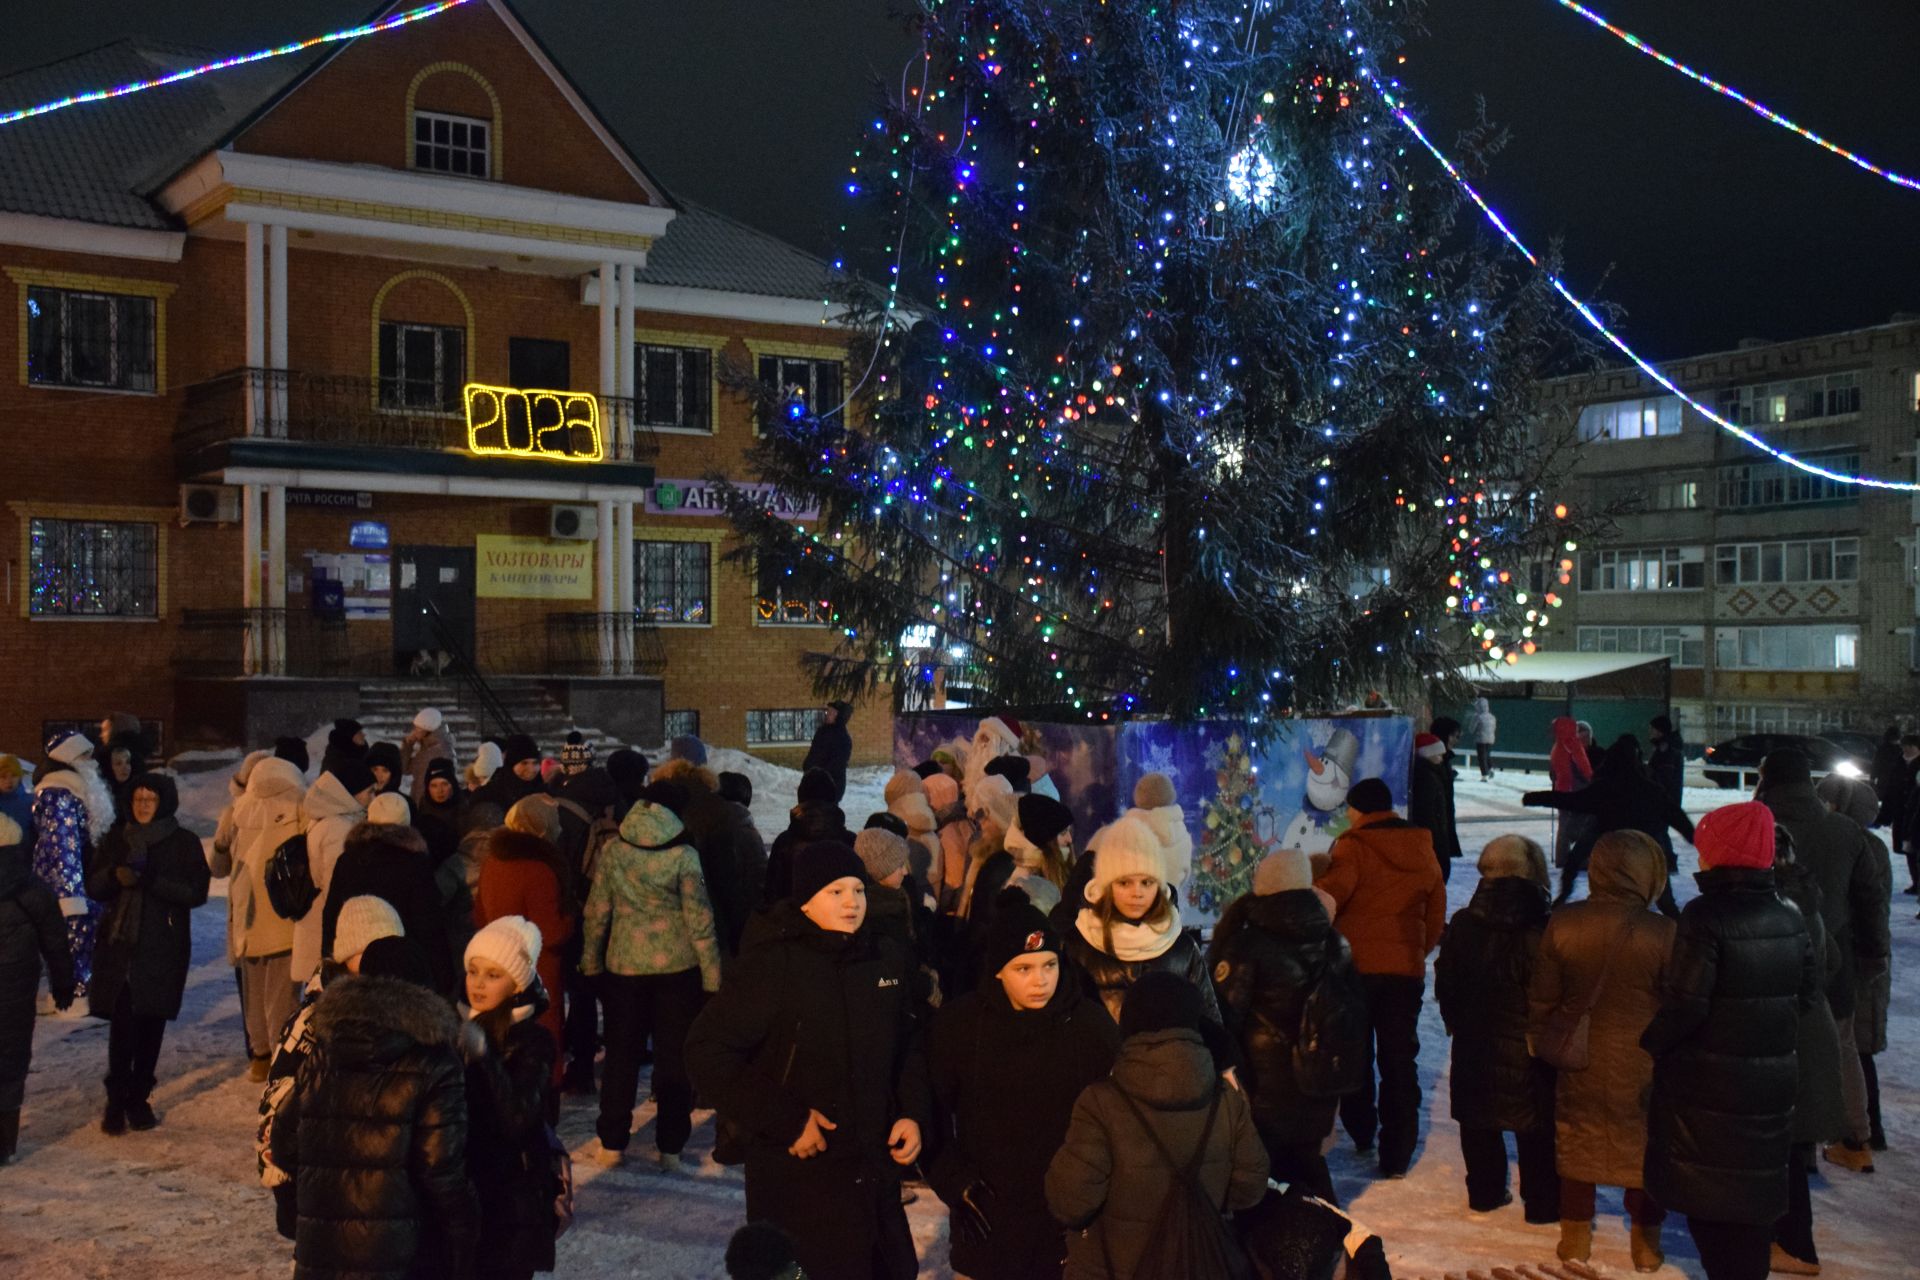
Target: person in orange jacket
1390,903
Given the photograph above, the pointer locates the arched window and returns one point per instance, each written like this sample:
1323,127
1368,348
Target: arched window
454,127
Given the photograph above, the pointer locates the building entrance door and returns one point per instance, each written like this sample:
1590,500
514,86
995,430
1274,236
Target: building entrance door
432,603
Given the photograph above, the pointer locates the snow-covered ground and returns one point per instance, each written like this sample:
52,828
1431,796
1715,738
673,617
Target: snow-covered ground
182,1201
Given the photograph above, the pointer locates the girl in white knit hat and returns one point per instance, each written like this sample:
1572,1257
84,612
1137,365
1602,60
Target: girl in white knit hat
510,1099
1128,924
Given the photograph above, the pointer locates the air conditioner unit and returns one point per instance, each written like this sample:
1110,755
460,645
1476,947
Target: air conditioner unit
209,504
574,522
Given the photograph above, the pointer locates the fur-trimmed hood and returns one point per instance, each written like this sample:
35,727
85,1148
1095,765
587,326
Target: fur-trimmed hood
386,1015
395,838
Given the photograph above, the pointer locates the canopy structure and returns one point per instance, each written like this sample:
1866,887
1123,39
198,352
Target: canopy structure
1615,693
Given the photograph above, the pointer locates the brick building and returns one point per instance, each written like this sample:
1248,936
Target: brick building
1786,602
341,367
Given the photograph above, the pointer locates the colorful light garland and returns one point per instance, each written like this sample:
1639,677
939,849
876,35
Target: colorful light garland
333,37
1758,108
1600,326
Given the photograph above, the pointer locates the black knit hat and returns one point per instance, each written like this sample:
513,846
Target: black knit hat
1370,795
353,775
816,784
736,788
385,755
293,751
819,864
927,768
1042,818
518,747
628,769
441,767
887,822
1018,928
1160,1001
396,957
1014,769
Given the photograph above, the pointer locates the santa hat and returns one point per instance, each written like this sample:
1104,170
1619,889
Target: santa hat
1736,835
362,920
1429,747
512,943
68,747
390,807
998,734
428,720
1129,847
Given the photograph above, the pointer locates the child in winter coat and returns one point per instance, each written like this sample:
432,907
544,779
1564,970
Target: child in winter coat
1480,980
150,874
650,944
523,873
372,1137
808,1051
31,930
1162,1106
509,1078
1128,926
1008,1060
1270,952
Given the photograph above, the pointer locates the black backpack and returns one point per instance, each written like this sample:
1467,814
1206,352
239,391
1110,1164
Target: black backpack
290,886
1191,1239
1330,1050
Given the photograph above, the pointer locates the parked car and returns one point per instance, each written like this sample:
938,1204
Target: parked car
1724,762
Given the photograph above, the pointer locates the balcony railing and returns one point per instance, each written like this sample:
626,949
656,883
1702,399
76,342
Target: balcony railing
355,411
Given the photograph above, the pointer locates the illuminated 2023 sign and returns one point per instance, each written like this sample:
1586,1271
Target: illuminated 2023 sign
561,425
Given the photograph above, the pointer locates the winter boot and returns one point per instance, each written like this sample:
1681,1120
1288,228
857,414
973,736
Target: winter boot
1645,1244
1576,1240
1782,1263
9,1134
113,1121
257,1070
140,1115
1849,1156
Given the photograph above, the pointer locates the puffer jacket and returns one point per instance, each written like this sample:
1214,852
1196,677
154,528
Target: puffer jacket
329,813
1480,980
1819,1112
1600,1112
1482,725
1724,1043
1109,978
265,815
374,1137
390,862
1108,1181
1390,900
1836,852
30,929
647,912
1004,1084
507,1137
522,875
1268,954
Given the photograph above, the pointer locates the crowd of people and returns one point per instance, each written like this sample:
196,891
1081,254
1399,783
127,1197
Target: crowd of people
953,997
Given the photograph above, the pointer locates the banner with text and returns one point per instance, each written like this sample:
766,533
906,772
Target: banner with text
702,498
511,568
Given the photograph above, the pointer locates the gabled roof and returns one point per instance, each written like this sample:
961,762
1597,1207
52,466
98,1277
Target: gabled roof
97,162
705,249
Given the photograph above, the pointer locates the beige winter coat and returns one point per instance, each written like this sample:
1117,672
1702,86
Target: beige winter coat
265,814
330,813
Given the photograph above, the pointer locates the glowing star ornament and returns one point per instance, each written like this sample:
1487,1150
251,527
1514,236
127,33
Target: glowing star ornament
1252,178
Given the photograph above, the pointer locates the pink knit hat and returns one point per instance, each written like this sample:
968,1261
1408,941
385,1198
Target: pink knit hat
1738,835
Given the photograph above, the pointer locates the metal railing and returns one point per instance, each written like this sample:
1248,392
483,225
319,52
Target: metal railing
357,411
280,642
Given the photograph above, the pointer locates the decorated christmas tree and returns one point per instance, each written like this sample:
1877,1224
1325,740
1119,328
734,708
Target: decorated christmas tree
1185,391
1224,861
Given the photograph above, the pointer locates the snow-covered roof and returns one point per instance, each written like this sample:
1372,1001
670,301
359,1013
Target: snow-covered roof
1555,668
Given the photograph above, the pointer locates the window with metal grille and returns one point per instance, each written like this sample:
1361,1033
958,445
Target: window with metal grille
785,726
422,366
92,569
671,581
806,386
681,724
675,387
78,338
452,144
789,596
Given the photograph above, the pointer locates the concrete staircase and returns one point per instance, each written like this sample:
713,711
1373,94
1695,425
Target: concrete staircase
387,708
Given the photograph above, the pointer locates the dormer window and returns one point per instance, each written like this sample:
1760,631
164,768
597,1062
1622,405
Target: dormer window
451,144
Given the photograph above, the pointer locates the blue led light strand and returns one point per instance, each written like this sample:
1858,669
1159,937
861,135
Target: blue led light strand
1758,108
240,60
1599,326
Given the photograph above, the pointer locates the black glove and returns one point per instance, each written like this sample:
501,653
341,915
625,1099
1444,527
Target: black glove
970,1225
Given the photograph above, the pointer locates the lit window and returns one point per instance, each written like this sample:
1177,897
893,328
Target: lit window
451,144
92,569
670,582
1644,569
1787,648
1631,419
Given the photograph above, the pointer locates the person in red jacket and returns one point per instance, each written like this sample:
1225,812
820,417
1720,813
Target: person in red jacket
521,874
1390,903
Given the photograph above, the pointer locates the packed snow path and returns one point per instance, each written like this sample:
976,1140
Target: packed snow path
183,1200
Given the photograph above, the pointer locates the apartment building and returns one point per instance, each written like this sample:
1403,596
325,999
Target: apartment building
386,360
1785,600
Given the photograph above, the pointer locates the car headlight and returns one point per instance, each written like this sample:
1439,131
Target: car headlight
1848,769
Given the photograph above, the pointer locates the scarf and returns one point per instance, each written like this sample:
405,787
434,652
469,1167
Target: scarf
123,920
1132,942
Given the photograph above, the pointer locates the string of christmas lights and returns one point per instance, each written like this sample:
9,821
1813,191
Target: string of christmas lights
1760,109
240,60
1600,326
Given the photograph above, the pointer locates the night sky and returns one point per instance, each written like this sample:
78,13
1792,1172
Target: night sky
1707,224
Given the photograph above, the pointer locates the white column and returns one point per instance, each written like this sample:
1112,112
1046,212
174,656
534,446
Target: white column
623,586
623,360
277,323
277,577
256,323
605,596
611,413
250,573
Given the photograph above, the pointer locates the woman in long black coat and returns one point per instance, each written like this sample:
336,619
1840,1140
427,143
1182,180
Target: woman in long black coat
1622,797
1724,1044
151,874
30,929
1480,980
1005,1076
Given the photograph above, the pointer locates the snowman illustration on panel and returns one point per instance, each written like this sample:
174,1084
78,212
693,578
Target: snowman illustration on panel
1323,806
